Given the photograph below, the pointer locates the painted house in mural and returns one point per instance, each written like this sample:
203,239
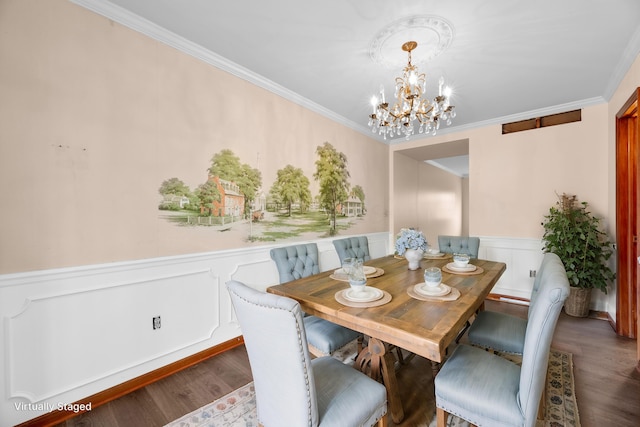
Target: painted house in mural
352,207
174,200
231,199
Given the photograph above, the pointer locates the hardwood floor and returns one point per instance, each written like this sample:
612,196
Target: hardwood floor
174,396
606,379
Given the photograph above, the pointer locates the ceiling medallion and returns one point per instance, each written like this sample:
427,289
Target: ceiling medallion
433,35
411,104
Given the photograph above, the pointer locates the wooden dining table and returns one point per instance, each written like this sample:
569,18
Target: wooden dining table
422,325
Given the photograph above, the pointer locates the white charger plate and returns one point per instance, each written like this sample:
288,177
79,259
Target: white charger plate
437,254
469,268
365,268
432,291
367,294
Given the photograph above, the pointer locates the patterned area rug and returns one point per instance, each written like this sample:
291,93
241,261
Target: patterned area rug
561,408
238,408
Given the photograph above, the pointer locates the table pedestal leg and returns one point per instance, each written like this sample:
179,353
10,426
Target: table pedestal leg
377,363
435,368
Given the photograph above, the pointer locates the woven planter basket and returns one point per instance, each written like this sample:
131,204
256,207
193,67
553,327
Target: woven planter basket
577,304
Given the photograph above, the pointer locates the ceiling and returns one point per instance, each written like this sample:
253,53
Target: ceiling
506,60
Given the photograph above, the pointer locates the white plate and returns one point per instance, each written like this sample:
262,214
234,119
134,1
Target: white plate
368,270
365,268
469,268
368,294
432,291
437,254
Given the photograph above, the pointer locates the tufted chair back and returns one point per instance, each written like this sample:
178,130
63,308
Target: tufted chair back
543,316
296,261
459,244
488,390
505,332
291,388
548,258
353,247
274,335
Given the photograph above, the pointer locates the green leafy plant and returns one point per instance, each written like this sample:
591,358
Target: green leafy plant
575,235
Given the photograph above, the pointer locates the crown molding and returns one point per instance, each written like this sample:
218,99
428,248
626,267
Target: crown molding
628,57
554,109
435,163
158,33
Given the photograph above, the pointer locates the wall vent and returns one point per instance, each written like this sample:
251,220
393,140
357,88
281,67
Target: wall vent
541,122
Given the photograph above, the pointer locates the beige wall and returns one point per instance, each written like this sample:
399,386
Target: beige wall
513,179
426,198
465,207
439,203
405,190
95,116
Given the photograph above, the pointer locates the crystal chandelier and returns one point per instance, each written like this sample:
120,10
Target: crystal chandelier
410,105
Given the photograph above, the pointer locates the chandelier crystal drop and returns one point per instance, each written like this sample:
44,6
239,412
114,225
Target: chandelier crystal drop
410,105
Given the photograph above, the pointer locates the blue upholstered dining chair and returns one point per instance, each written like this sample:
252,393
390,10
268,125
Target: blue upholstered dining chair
358,247
488,390
459,244
353,247
297,261
502,332
291,389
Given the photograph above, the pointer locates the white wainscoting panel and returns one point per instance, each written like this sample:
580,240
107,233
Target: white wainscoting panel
65,335
70,333
521,256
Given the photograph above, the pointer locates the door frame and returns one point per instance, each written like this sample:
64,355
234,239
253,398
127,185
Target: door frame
627,199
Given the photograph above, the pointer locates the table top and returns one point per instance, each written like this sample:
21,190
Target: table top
426,328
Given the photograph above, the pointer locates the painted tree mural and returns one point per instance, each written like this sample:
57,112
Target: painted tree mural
333,177
291,186
207,193
223,203
174,186
176,195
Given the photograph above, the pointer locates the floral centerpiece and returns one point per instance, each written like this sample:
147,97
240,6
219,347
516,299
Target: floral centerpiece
412,244
409,238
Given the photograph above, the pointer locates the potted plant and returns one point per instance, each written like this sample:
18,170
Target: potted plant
575,235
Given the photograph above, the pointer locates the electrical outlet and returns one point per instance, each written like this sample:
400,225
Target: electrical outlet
156,322
532,273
